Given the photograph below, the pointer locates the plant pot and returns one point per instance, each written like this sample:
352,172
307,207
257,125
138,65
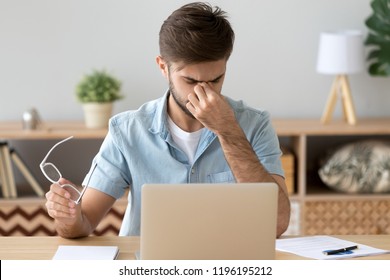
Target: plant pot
96,115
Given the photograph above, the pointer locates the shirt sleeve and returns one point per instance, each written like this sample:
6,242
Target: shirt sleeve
266,145
111,174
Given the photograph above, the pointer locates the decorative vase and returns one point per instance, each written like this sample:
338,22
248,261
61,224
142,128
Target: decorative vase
97,114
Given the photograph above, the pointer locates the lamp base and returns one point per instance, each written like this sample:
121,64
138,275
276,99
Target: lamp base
340,85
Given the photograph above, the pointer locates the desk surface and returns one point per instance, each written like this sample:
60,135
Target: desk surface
43,248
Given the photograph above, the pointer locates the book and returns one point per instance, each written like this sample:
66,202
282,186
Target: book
5,187
68,252
19,163
3,179
9,171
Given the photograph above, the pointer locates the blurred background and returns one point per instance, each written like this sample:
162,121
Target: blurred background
46,46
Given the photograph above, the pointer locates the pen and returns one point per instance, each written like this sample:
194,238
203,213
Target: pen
341,250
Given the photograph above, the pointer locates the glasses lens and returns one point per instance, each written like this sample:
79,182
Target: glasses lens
72,190
52,172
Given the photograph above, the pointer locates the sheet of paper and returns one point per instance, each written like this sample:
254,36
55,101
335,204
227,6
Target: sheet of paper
313,247
86,253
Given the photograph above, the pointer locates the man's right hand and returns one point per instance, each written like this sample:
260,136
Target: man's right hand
76,220
59,205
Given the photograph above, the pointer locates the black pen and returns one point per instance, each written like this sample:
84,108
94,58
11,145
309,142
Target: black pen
341,250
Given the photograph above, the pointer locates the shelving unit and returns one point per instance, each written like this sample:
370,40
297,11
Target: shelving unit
316,208
28,215
322,210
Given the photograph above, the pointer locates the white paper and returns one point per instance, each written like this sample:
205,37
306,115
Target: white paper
65,252
313,247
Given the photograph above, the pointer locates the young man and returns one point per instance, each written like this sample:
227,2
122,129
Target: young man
193,134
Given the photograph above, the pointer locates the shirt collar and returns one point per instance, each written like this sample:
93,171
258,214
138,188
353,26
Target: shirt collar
159,124
160,121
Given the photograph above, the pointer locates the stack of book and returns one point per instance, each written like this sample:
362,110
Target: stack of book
7,179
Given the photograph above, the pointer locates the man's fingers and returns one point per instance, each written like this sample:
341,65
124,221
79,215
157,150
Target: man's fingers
200,91
57,189
191,108
58,204
56,210
193,100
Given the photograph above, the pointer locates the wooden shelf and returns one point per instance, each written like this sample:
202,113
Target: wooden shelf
321,209
311,127
50,130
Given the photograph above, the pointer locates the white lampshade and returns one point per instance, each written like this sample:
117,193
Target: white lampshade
340,52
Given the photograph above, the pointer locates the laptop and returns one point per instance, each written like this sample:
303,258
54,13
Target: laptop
208,221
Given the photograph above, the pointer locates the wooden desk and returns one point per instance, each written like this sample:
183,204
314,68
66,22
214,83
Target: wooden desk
43,248
50,130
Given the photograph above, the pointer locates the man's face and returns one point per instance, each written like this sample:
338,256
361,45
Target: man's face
183,78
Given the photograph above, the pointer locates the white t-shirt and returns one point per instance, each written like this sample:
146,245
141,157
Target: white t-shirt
187,141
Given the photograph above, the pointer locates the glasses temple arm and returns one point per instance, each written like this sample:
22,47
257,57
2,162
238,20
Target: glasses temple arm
86,186
47,155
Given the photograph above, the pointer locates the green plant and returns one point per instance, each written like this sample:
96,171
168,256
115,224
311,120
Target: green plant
99,86
379,37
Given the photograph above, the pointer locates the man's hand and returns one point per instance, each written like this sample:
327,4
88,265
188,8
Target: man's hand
59,205
210,108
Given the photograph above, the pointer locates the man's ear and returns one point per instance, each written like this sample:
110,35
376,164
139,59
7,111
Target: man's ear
162,65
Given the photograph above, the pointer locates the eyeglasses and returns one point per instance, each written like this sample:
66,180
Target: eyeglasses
52,173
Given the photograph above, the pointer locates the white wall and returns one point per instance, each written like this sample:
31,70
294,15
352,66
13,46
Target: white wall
47,45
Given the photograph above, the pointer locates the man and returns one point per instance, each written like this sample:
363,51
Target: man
193,134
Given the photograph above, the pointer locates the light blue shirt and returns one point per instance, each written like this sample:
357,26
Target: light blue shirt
139,149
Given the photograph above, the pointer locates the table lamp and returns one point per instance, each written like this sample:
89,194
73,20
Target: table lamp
340,53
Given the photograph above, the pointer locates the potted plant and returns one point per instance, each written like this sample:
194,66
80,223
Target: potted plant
379,38
97,92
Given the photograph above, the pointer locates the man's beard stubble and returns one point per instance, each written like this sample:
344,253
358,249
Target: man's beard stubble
179,103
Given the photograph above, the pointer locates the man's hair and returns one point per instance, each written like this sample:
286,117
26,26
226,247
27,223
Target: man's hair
195,33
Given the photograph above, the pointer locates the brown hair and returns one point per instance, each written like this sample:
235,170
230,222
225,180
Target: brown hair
194,33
